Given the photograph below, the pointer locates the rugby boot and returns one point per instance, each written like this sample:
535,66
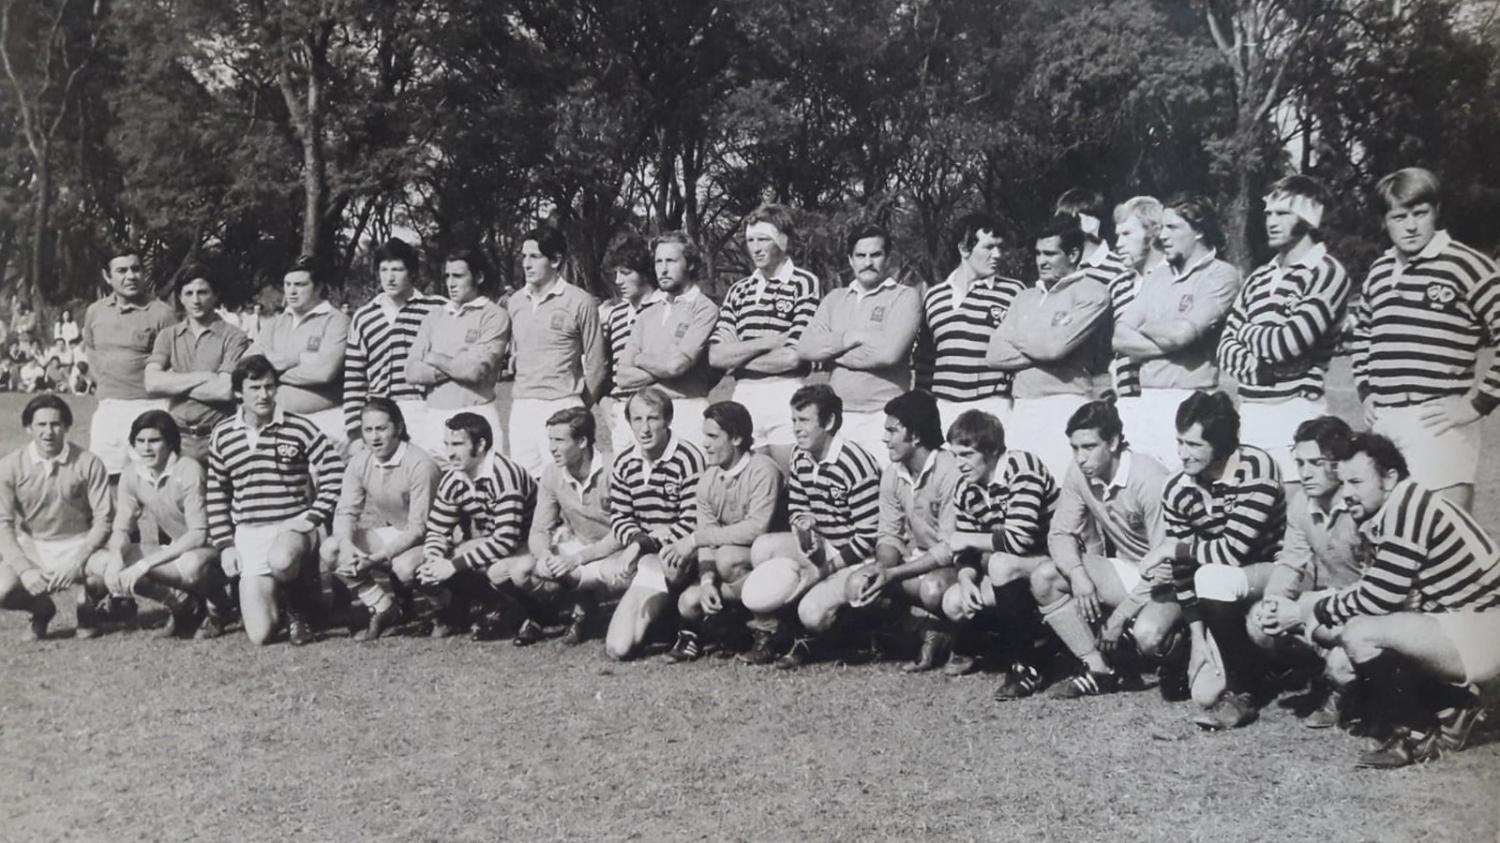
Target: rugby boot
686,648
960,664
935,643
1456,725
88,620
798,655
211,628
577,631
1022,680
1403,748
379,622
43,610
762,651
299,633
1232,711
529,633
1327,715
180,620
1090,683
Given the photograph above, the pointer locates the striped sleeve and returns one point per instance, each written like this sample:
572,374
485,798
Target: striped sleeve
727,329
1484,298
220,520
443,517
1030,497
693,462
326,468
356,374
1308,320
1246,522
804,306
622,520
1359,341
798,502
1234,353
515,499
864,508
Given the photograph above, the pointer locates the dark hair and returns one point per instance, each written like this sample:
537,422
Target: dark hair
550,240
119,250
655,396
1409,186
969,226
1097,415
771,213
734,420
978,430
1308,188
580,422
308,264
251,366
1065,228
1331,433
865,232
690,252
1201,215
47,401
917,411
396,249
1215,412
1381,451
630,252
385,404
479,267
1077,200
194,272
162,422
476,426
830,405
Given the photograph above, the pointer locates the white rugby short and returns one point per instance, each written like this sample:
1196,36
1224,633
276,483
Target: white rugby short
1039,426
528,429
1150,421
769,401
109,432
50,554
1476,637
431,428
867,430
1436,461
999,406
1270,426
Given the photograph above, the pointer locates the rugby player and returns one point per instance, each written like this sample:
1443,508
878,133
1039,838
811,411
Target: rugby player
1280,336
739,495
558,347
1225,513
1055,339
1429,306
1137,224
1112,269
668,345
1172,328
633,268
653,492
54,520
273,481
997,534
1108,520
381,519
119,332
864,333
191,361
305,342
456,356
760,322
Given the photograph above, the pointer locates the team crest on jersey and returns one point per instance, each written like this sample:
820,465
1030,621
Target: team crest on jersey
557,321
314,343
670,488
997,313
287,452
878,315
1185,303
471,336
838,492
682,330
1062,317
1441,296
783,305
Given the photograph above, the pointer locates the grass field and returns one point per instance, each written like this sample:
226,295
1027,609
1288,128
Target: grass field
409,739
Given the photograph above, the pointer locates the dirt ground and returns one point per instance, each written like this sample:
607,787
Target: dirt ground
410,739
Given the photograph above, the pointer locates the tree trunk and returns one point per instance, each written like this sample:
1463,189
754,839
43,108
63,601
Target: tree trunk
41,229
1237,217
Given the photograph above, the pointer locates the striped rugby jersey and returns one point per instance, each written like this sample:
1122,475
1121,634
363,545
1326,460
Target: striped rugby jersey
1419,326
842,494
1015,507
495,506
1280,336
1120,278
618,321
1236,520
375,353
955,336
757,307
659,500
287,468
1426,554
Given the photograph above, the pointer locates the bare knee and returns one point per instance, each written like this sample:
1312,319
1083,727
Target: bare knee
930,591
1361,639
1006,568
816,614
1048,585
689,603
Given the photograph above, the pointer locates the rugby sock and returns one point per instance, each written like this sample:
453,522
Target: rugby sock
1386,684
1243,665
1066,621
1017,612
170,597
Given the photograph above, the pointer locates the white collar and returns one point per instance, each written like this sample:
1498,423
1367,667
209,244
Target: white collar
395,460
278,416
1098,256
782,272
50,463
905,475
595,466
144,472
324,306
689,296
553,289
1440,241
454,308
860,292
1312,257
835,449
666,453
1121,475
1207,259
739,466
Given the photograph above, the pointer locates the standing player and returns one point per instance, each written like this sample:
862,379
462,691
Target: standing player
54,520
1137,223
456,355
1225,513
635,285
1430,305
191,361
960,315
916,497
479,517
996,534
1112,270
1055,338
1107,523
305,342
668,345
1280,336
381,519
559,347
865,332
760,323
652,504
380,337
119,332
833,501
738,498
1172,328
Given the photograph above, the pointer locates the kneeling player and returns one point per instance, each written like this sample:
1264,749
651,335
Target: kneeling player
176,566
54,519
382,513
1110,497
738,496
834,505
1002,509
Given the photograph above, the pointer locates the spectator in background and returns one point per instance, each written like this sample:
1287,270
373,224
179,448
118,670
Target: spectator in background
24,321
55,378
82,383
66,329
33,375
250,321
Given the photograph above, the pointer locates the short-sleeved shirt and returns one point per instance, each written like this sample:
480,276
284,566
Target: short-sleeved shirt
394,493
56,498
677,326
912,509
216,348
119,337
559,344
1124,514
172,502
322,329
1202,294
580,505
475,332
759,306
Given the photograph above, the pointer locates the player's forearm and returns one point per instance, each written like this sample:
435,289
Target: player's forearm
778,361
1004,355
168,384
670,365
1063,548
216,389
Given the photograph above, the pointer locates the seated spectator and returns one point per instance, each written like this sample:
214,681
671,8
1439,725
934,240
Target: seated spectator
33,375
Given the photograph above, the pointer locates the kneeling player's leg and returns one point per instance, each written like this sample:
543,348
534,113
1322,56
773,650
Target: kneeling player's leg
781,574
258,610
1225,594
643,602
293,565
819,607
1053,593
1407,662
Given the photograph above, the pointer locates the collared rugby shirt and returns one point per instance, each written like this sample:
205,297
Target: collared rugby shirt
1420,324
618,321
956,334
166,506
119,337
1015,507
380,337
1120,278
1123,515
758,306
842,494
659,499
912,509
1280,336
285,469
1236,520
1427,555
496,506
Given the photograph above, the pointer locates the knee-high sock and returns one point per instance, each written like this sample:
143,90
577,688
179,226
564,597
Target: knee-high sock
1387,687
371,588
164,594
1068,624
1243,662
1018,618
